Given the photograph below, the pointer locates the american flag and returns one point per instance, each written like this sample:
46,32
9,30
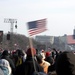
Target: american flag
36,27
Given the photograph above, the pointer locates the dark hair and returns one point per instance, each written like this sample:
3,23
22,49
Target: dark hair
5,52
39,58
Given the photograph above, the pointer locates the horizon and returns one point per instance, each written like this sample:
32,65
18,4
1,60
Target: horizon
60,15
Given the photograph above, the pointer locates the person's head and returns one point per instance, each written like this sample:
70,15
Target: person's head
5,52
31,51
65,64
39,58
19,52
48,54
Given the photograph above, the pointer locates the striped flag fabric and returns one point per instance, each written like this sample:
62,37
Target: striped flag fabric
36,27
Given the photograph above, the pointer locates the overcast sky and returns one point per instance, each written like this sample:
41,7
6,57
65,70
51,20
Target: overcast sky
60,15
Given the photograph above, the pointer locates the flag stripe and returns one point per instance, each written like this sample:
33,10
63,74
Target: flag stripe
41,23
33,31
37,27
38,31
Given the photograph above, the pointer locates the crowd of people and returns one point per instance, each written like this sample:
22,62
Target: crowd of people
30,62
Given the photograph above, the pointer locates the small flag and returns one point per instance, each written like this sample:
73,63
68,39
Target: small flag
36,27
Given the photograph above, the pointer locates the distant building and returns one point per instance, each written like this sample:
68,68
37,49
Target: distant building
71,41
66,42
45,39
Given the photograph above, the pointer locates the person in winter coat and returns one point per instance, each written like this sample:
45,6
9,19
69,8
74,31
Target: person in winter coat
5,67
30,65
5,55
49,58
44,64
65,64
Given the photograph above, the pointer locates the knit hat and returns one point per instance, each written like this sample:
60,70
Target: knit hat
5,63
29,52
47,54
65,64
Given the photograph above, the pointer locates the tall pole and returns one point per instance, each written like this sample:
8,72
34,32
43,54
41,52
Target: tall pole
11,21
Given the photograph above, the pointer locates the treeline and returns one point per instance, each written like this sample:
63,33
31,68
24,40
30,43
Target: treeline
21,41
16,41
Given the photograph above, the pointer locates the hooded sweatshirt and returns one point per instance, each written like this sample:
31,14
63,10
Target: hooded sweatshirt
65,64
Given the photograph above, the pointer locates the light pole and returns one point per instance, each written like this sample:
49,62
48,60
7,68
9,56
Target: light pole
12,22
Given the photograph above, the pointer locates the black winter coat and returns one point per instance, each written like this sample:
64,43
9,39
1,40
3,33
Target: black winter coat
27,68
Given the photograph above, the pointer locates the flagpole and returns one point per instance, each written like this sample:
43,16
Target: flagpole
31,46
35,27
